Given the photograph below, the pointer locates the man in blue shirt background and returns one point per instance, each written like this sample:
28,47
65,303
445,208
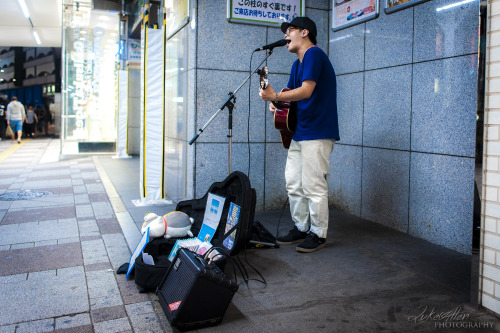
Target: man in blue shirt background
313,87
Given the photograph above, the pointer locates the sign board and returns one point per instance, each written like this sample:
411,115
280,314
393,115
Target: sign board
264,12
392,6
347,13
134,52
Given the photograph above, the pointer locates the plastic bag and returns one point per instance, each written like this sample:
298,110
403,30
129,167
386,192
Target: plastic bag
9,132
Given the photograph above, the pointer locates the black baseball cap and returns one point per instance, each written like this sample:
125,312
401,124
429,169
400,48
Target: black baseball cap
304,23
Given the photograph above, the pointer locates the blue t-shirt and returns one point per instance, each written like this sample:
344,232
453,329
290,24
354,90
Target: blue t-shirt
316,116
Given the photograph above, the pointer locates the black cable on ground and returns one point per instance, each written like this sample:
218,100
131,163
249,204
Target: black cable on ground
263,281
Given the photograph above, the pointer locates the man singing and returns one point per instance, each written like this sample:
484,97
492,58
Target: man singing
313,86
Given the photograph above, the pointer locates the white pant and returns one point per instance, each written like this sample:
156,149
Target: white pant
307,165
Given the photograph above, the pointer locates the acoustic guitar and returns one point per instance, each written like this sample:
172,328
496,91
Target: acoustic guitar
285,117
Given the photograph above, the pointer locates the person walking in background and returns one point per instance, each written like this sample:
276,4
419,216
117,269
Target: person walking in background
2,119
30,120
39,115
47,119
15,117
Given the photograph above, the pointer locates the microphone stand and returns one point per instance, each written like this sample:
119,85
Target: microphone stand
229,103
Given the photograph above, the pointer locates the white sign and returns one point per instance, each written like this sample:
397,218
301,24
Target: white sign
138,250
211,219
134,52
269,13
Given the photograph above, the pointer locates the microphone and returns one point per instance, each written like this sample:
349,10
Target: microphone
281,42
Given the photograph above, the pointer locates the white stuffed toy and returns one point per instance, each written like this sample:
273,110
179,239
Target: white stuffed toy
178,225
157,225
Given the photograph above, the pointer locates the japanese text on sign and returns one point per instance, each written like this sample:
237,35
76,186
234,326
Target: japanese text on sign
264,12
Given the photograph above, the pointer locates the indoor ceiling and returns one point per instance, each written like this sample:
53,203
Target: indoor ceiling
16,30
46,17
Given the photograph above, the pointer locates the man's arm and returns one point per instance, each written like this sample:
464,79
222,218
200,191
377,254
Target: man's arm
303,92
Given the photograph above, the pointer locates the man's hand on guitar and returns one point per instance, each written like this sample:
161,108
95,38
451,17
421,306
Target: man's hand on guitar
272,108
267,94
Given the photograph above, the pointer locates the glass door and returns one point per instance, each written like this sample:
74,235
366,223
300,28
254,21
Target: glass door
89,85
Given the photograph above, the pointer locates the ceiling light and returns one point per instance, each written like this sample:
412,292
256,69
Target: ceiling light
456,4
22,3
37,39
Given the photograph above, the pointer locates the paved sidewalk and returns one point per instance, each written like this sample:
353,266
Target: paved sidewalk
59,254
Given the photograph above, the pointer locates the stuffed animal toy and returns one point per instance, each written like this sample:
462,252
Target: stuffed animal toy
178,225
157,225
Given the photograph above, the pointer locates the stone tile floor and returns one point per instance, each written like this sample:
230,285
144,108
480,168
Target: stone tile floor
59,253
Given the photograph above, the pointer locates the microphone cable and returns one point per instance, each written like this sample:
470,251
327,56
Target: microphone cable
248,140
237,263
249,110
263,280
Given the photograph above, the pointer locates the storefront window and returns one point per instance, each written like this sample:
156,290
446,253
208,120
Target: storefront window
90,46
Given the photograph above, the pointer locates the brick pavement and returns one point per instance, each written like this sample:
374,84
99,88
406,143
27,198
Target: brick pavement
59,253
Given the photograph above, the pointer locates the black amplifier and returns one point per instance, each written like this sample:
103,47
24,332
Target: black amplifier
194,294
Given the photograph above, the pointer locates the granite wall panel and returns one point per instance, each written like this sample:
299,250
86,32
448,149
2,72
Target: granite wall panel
442,31
444,106
344,179
387,108
442,199
385,178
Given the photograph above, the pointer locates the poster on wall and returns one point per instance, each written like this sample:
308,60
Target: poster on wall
347,13
176,16
134,53
264,12
392,6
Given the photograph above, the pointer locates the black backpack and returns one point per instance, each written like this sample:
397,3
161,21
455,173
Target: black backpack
148,277
235,188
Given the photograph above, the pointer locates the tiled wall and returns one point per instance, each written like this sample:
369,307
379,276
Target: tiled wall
490,250
407,105
407,85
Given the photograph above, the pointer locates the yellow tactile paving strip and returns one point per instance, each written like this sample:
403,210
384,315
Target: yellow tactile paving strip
12,149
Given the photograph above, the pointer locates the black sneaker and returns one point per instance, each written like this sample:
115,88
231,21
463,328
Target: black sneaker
294,236
311,243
